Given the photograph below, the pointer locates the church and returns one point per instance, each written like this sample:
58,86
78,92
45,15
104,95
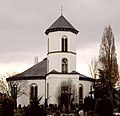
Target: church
45,77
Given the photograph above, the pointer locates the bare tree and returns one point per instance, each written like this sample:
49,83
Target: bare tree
3,85
66,94
16,88
93,68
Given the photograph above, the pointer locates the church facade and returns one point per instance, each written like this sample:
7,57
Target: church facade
45,77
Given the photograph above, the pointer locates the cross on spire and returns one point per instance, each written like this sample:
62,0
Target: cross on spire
61,9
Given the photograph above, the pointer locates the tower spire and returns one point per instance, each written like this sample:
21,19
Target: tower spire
61,9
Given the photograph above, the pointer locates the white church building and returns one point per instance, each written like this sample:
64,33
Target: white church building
45,77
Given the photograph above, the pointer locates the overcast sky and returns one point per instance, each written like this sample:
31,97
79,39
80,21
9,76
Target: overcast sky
23,23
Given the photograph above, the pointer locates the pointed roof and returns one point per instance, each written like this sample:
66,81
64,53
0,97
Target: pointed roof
61,24
37,71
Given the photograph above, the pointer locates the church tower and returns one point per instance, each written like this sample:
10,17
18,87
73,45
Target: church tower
61,46
61,57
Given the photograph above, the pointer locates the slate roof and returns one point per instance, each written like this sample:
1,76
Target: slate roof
85,78
37,71
61,24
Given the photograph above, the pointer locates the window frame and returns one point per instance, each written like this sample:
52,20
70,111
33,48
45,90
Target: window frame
64,65
48,90
64,44
80,92
33,91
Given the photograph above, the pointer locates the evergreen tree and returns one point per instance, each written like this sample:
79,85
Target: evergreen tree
107,59
107,70
108,74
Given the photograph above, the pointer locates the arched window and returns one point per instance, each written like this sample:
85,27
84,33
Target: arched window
33,91
80,92
64,65
64,44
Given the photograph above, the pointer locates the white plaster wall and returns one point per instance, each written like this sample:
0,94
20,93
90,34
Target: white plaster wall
41,88
55,80
55,40
55,61
86,87
25,99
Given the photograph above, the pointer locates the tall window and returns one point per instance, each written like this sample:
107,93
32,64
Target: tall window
64,44
48,45
33,91
47,65
15,92
47,90
80,92
64,65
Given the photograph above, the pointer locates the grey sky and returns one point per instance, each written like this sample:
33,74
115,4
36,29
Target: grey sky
23,23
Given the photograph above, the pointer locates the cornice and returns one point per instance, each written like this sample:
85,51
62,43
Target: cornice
61,52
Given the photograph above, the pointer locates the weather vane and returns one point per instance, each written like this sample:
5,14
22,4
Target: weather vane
61,9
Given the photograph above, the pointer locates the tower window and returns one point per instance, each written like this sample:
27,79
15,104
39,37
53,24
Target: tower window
64,65
47,65
64,44
33,91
